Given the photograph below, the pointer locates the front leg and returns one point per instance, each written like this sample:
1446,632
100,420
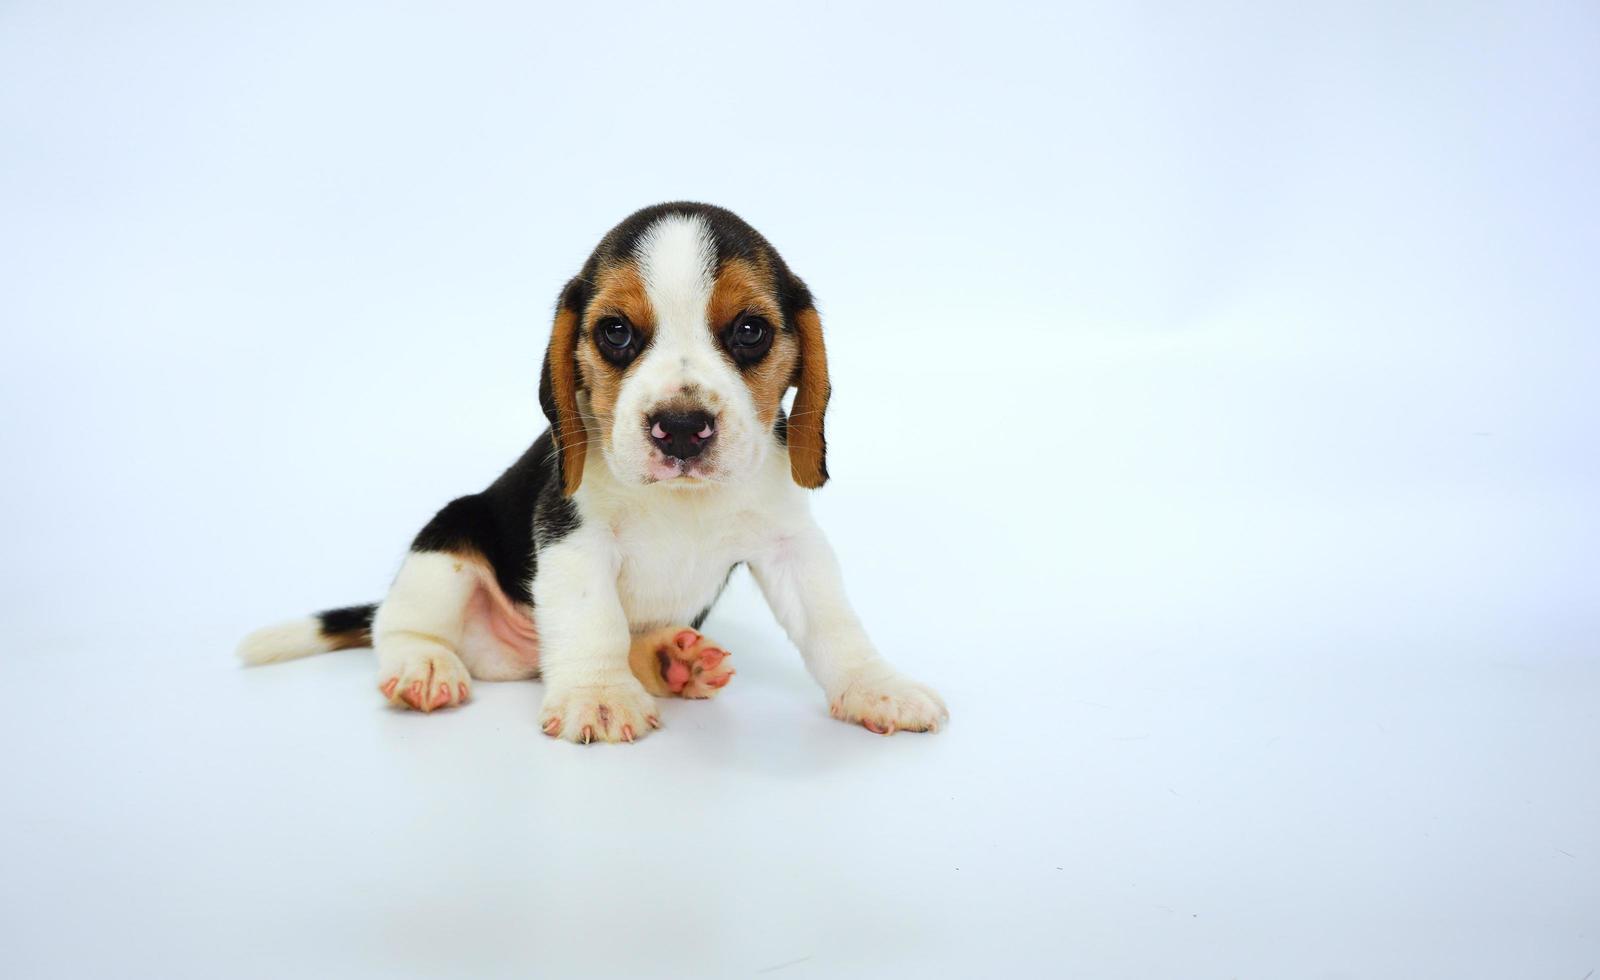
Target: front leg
800,577
590,692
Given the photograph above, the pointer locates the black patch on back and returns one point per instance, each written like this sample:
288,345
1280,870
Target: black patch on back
503,523
554,515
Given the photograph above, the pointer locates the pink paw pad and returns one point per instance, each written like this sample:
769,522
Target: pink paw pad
691,666
677,675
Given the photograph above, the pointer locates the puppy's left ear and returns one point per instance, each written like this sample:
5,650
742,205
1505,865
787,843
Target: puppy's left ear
808,447
558,386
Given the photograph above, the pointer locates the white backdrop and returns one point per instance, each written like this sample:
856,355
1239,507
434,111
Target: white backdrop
1214,427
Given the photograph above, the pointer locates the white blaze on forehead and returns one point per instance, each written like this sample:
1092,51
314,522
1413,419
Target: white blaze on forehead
676,257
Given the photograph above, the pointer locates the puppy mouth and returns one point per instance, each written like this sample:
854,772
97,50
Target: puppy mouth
668,469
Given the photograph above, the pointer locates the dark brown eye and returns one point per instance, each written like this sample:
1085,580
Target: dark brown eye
748,337
750,331
615,333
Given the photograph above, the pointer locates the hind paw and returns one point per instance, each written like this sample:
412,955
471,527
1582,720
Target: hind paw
679,661
423,679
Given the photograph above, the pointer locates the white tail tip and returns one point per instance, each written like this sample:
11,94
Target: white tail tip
285,641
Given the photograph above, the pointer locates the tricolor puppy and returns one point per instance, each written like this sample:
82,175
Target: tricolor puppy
669,460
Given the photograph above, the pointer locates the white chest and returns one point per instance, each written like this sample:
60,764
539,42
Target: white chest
677,547
676,560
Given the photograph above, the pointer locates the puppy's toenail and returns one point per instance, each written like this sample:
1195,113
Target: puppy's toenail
588,734
654,721
627,733
553,726
685,639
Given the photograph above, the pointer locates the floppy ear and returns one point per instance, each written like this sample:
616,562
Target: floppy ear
558,387
808,448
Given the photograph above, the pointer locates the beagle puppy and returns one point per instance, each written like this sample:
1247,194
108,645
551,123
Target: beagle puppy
669,461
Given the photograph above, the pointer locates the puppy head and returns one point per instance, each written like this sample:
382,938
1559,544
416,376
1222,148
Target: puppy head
673,348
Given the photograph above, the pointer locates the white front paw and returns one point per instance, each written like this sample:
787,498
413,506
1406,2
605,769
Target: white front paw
613,712
885,702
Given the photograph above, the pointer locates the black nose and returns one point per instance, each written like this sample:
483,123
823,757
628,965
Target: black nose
682,435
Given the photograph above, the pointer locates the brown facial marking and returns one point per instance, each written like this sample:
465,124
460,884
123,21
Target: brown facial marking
743,286
619,291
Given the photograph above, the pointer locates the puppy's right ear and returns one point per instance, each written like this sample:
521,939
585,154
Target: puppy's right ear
558,385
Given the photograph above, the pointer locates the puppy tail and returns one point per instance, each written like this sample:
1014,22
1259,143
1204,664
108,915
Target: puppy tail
335,629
